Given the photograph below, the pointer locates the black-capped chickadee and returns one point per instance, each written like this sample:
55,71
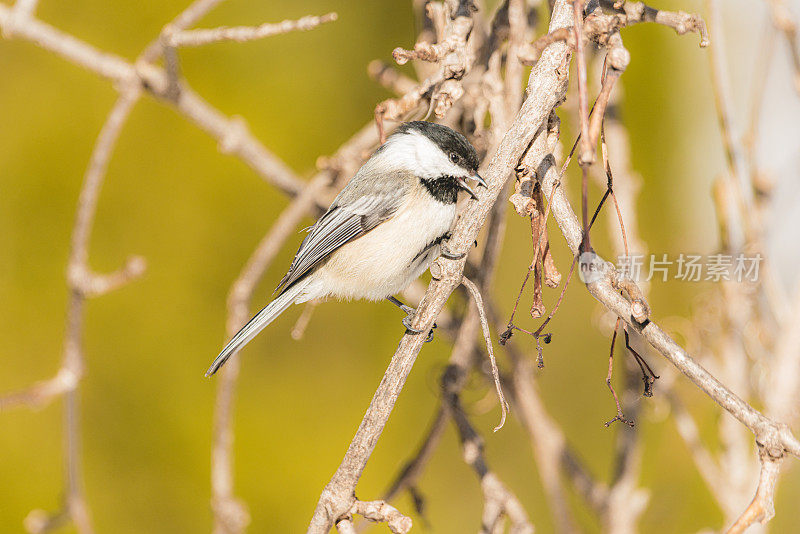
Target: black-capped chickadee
384,228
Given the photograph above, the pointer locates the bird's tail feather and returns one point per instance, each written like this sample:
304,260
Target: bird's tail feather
257,324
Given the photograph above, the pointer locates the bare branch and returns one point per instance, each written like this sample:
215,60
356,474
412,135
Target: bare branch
517,37
452,51
455,36
185,19
231,133
23,9
598,27
587,149
765,429
381,512
762,508
704,462
545,88
630,13
80,283
551,451
241,34
230,515
299,328
617,60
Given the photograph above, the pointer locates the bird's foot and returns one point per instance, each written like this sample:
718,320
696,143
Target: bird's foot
452,255
409,311
445,251
411,330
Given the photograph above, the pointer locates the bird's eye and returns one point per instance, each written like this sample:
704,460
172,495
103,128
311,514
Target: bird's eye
453,157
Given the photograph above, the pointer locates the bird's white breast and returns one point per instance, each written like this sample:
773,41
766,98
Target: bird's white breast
385,260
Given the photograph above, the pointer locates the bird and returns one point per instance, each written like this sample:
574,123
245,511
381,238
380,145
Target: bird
382,231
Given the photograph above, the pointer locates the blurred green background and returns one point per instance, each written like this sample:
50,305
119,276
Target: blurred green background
196,215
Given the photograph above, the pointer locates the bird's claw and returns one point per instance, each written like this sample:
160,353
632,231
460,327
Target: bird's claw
429,337
414,331
407,323
452,255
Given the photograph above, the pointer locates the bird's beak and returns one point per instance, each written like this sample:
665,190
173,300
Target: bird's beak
462,183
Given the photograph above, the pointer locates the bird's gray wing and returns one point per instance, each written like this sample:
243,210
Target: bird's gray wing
347,219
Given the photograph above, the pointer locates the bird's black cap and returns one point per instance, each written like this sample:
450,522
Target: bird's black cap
447,139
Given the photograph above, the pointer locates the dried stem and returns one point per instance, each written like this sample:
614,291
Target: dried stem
598,26
187,18
620,416
487,336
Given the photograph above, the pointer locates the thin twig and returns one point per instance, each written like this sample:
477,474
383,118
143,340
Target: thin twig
487,336
381,512
185,19
83,282
587,150
240,34
620,416
444,87
390,78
